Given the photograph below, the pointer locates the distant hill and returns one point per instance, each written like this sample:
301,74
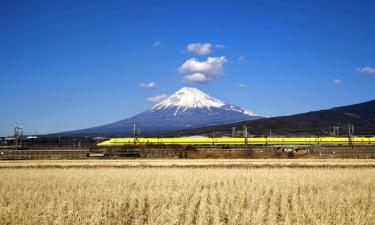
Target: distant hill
362,116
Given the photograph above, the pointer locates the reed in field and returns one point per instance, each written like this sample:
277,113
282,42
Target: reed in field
187,196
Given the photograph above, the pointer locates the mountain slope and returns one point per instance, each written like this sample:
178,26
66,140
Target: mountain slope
362,116
187,108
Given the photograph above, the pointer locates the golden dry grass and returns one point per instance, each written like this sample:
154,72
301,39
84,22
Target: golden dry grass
192,163
170,195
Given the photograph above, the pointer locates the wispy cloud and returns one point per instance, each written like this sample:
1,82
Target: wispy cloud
366,70
241,85
220,46
337,81
241,59
203,71
157,98
148,85
157,44
202,48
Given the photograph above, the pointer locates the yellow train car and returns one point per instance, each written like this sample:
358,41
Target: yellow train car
242,141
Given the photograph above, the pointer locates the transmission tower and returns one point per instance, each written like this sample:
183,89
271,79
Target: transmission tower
18,135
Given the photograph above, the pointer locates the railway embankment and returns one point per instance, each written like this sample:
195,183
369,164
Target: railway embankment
252,152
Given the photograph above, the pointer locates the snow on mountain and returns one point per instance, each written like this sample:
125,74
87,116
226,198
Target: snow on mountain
188,108
188,98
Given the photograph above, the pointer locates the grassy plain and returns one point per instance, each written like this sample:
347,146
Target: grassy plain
187,192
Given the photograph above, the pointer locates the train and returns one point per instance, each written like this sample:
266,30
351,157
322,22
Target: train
204,141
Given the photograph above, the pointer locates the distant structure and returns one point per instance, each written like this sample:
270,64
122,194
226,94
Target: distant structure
18,135
336,131
234,132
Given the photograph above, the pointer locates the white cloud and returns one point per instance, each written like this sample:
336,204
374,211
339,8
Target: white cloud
157,44
337,81
242,86
202,48
207,70
148,85
197,78
199,48
241,59
157,98
366,70
212,66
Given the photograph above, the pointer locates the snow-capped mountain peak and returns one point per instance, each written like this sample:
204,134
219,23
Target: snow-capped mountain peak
187,98
192,98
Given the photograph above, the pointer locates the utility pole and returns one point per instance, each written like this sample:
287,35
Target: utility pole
233,131
351,132
245,135
336,130
134,133
270,132
351,129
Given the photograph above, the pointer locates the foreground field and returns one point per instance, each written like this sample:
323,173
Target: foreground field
169,194
192,163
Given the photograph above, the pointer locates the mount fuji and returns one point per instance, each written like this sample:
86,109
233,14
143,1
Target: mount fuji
185,109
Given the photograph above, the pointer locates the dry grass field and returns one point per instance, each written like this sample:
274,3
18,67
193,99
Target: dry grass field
187,192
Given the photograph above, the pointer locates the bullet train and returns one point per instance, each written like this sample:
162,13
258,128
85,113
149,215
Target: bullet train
241,141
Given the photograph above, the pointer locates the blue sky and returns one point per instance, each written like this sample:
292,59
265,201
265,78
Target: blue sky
76,64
